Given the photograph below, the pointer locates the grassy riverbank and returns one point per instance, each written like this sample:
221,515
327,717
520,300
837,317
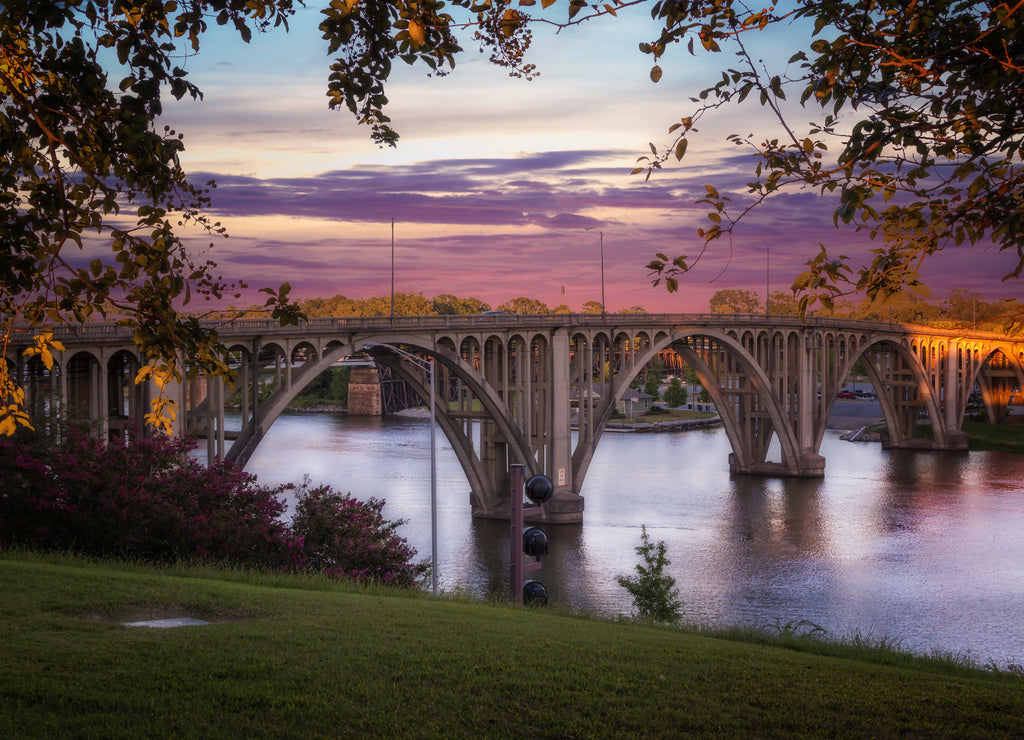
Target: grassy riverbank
999,437
983,436
299,657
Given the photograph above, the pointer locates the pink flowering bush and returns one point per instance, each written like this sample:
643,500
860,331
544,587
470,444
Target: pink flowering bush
147,499
351,539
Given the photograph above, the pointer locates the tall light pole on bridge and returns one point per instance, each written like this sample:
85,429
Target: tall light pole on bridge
381,213
601,234
428,365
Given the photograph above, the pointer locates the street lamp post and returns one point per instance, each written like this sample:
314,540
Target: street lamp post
381,213
429,366
393,272
601,234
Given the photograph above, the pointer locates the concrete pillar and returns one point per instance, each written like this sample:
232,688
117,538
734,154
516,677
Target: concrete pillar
211,440
103,398
811,463
255,360
567,504
219,410
243,381
288,365
364,392
62,408
955,437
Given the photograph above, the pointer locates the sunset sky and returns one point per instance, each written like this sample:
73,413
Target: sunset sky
495,180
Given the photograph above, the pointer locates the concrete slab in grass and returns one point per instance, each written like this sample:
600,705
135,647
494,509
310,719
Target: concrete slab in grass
165,623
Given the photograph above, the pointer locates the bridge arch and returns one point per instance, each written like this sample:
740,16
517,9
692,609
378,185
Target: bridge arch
749,441
726,366
483,453
905,387
997,373
487,413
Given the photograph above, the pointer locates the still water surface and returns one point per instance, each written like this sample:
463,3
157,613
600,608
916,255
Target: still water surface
925,548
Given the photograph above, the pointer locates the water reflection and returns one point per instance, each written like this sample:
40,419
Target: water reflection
919,546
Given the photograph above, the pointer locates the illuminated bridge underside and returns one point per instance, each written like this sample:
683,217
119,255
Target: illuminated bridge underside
511,389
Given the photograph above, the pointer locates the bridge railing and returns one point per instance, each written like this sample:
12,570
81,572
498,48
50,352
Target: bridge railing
526,321
105,333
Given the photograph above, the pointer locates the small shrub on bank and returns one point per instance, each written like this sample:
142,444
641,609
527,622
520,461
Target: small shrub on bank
655,597
147,499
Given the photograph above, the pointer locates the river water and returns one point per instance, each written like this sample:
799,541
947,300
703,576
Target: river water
923,548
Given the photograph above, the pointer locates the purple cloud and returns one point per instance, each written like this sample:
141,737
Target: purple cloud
495,228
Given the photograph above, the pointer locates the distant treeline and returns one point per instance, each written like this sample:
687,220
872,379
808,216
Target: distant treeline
416,304
961,308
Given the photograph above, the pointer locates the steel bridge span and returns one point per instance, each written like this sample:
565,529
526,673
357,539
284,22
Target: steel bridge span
512,389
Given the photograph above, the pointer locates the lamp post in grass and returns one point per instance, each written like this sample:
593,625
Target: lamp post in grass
429,366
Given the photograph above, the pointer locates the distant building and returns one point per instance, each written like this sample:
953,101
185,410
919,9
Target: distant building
636,401
575,394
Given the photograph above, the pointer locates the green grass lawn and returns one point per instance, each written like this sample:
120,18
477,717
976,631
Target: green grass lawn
983,436
304,657
1001,437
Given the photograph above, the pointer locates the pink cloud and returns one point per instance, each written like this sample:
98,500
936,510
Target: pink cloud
495,228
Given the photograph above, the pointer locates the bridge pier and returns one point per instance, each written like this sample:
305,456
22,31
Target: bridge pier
810,465
565,507
364,392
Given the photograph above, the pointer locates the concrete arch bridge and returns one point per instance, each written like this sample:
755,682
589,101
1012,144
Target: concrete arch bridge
539,390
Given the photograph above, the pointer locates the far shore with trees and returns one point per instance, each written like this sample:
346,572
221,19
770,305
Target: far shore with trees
961,308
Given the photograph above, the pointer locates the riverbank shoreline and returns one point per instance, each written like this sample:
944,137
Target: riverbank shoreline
617,427
658,427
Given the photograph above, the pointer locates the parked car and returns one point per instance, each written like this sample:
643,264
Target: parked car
846,394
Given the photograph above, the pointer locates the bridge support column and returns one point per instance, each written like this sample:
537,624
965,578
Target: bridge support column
566,506
364,392
101,389
211,434
810,464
